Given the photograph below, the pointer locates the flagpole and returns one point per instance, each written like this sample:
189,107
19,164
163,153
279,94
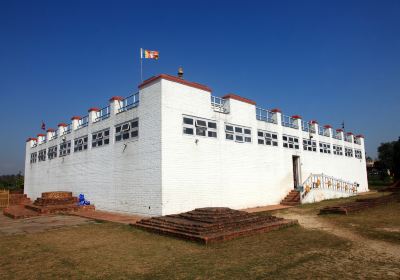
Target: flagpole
141,64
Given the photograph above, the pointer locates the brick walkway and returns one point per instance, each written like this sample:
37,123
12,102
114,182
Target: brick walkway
266,208
108,216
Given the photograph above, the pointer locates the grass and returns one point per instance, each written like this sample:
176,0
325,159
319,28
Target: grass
112,251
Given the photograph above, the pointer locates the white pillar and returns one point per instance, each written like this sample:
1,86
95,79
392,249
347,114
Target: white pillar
329,129
297,121
31,141
277,116
115,104
93,114
49,134
40,138
75,122
61,128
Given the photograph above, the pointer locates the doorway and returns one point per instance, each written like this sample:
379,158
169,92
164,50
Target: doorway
296,171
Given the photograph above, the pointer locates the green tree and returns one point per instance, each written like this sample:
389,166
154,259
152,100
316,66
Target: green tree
389,157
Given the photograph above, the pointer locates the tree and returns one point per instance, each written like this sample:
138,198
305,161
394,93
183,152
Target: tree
389,157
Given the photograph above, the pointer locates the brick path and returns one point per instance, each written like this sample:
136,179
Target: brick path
108,216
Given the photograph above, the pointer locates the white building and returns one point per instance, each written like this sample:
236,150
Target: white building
173,147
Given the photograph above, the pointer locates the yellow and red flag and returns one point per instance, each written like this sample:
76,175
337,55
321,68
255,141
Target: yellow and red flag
149,54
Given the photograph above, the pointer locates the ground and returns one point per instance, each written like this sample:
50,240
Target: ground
325,247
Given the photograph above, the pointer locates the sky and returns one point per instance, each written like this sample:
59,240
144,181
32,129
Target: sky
332,61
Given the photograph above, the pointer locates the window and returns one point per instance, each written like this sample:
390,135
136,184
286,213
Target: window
33,157
337,150
309,145
101,138
358,154
200,127
65,148
237,133
267,138
52,152
348,152
324,148
127,130
290,142
42,155
80,144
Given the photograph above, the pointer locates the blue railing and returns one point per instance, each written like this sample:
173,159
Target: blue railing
265,115
103,114
130,102
218,104
83,122
288,121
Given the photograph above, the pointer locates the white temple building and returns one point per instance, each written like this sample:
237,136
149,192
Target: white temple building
173,147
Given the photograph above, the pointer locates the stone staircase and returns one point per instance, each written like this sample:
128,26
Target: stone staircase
212,224
292,199
49,203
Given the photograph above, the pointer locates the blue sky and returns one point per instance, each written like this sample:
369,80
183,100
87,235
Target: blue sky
325,60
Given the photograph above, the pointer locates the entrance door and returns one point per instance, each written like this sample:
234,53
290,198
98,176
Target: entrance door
296,171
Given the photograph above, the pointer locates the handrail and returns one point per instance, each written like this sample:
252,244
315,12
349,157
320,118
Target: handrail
288,121
265,115
322,181
83,122
103,114
128,103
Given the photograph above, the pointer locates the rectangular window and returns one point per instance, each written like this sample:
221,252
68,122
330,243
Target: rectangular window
199,127
267,138
101,138
324,148
42,155
33,157
52,152
358,154
127,130
337,150
348,152
81,144
309,145
237,133
290,142
65,148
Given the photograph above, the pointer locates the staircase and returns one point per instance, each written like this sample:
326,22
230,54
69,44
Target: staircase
292,199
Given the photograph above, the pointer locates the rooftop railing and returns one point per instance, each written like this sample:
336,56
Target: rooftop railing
68,129
103,114
83,122
218,104
128,103
54,135
265,115
357,140
288,121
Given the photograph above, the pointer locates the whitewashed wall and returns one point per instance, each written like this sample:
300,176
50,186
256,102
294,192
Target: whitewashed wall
218,172
165,171
113,177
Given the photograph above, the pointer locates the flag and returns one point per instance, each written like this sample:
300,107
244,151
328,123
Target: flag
43,126
148,54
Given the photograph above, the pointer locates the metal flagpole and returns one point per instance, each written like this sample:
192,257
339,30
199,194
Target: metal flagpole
141,64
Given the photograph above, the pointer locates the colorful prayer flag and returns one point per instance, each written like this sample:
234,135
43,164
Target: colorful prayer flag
149,54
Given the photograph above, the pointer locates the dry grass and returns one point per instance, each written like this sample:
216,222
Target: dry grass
111,251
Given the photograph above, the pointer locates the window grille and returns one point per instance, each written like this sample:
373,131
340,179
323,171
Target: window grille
324,148
267,138
358,154
127,130
309,145
337,150
52,152
237,133
80,144
42,155
101,138
348,152
33,157
65,148
290,142
200,127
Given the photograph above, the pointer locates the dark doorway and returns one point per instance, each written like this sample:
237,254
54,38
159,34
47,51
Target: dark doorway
296,171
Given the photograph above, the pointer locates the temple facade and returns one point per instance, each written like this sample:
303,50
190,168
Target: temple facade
173,147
